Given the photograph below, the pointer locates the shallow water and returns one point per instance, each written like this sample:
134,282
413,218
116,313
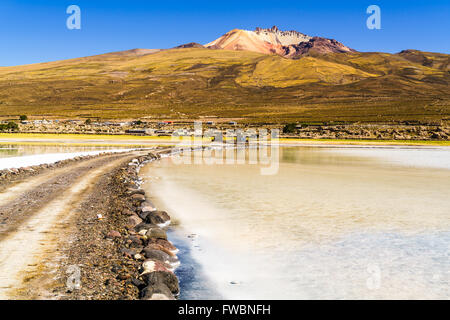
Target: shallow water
332,223
15,156
17,150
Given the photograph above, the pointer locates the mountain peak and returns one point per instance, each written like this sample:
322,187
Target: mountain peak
289,44
317,45
261,40
189,45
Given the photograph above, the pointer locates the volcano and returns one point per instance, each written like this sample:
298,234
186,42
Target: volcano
289,44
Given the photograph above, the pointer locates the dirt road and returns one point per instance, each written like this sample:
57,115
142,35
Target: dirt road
34,214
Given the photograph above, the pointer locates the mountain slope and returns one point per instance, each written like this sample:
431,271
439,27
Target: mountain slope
243,40
317,45
428,59
192,82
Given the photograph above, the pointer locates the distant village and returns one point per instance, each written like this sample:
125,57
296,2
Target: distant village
379,131
137,127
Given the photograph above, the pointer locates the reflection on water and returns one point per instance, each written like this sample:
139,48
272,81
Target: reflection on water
331,223
16,156
7,150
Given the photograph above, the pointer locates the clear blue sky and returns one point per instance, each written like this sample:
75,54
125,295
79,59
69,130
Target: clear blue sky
35,30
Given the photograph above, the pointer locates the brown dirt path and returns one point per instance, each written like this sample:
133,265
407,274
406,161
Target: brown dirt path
34,212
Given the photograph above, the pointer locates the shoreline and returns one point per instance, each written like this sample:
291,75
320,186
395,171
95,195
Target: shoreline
34,161
114,239
15,174
125,254
145,259
174,198
131,140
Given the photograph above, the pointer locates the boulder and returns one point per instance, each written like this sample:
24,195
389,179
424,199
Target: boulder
157,278
138,197
138,283
135,241
157,217
143,215
155,246
153,219
133,191
129,253
148,209
156,292
128,212
157,233
144,226
163,243
113,234
163,214
134,220
161,256
152,265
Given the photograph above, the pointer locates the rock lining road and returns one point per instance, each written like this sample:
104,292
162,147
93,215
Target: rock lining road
33,212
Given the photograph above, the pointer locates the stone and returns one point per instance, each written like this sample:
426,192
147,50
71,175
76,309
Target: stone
144,226
143,215
156,292
148,209
157,278
133,191
158,255
152,265
163,215
123,276
116,268
138,197
129,253
157,233
153,219
128,212
138,283
135,241
161,296
157,217
164,243
155,246
113,234
171,261
134,220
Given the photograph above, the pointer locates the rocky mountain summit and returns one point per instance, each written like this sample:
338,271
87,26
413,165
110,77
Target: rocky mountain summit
316,45
285,38
189,45
289,44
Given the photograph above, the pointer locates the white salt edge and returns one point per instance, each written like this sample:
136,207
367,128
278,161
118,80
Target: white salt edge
38,159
